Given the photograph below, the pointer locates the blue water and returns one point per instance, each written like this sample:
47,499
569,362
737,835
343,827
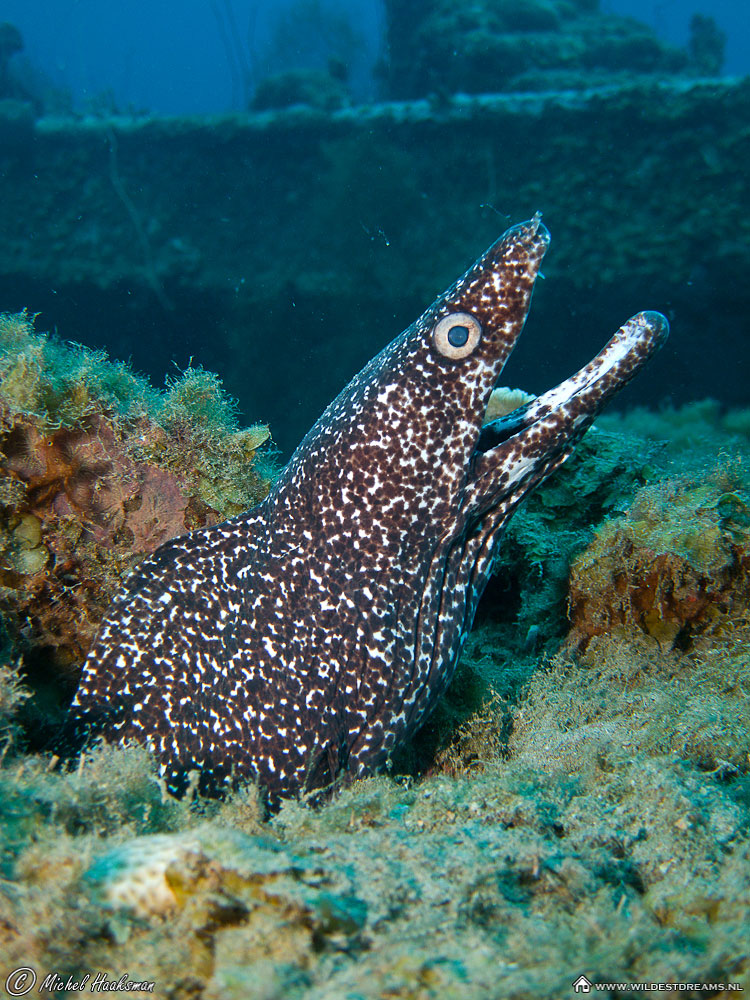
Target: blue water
202,56
671,19
143,265
180,56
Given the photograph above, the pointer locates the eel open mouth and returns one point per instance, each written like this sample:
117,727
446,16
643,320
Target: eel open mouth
575,402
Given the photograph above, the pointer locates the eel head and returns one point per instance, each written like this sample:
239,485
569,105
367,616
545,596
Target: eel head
407,489
408,434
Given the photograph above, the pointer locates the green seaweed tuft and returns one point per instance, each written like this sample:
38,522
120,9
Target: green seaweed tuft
13,694
198,397
63,383
97,469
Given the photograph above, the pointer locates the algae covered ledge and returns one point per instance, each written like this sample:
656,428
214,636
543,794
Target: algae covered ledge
579,803
98,469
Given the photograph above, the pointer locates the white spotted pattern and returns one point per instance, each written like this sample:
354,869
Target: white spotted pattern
313,634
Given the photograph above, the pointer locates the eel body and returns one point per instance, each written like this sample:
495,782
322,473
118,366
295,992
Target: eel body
313,634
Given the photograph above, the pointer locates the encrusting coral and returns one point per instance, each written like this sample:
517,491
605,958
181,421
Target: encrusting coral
676,564
96,470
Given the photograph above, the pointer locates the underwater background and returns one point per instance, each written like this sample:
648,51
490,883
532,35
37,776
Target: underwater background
213,214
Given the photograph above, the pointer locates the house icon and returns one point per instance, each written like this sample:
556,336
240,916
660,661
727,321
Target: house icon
582,985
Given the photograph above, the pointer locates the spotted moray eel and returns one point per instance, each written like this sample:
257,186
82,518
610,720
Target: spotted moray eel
311,636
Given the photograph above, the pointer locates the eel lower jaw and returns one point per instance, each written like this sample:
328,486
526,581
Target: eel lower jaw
589,389
522,448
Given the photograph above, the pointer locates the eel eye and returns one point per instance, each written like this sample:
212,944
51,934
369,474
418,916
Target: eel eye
457,335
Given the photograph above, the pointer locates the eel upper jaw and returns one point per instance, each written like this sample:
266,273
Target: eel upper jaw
516,452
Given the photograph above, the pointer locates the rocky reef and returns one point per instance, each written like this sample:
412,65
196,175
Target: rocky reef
96,470
676,564
578,804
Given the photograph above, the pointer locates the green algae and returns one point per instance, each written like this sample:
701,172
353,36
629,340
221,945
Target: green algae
63,382
588,813
556,522
693,429
676,562
97,468
615,859
12,696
